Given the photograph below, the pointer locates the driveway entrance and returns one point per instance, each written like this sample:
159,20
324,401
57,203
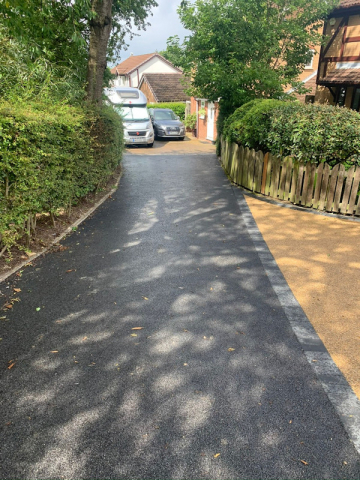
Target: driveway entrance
190,145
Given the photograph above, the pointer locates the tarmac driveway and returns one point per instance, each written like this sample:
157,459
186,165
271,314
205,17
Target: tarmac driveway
153,346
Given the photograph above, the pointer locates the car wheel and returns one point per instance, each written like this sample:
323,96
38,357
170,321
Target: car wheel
181,138
149,145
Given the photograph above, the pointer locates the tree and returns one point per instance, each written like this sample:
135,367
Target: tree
174,52
75,33
110,22
243,49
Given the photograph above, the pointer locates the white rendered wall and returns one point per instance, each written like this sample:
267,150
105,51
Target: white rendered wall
154,65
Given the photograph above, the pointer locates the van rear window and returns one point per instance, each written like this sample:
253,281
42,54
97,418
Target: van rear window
126,94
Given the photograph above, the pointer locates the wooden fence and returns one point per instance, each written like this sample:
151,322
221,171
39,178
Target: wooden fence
320,187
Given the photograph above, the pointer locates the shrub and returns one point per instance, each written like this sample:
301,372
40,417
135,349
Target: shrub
249,125
190,121
308,132
177,107
51,155
316,133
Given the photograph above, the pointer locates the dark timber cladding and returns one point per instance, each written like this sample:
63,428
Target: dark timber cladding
340,56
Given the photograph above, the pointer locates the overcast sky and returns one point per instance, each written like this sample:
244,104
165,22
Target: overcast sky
164,23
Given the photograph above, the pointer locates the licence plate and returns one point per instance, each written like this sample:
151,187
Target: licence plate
138,140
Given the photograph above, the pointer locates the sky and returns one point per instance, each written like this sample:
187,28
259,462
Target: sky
164,24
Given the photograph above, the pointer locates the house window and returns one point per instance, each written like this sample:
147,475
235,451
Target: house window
309,64
341,95
355,104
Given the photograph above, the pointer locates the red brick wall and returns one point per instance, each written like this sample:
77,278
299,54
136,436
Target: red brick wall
202,123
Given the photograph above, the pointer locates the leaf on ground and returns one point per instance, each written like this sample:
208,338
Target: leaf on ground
85,338
9,306
38,309
137,328
17,290
71,270
54,351
231,349
134,334
217,455
145,298
303,462
11,365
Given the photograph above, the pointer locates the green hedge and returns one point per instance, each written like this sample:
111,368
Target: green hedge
308,132
50,156
177,107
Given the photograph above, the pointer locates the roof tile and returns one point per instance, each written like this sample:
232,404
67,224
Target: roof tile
350,76
167,87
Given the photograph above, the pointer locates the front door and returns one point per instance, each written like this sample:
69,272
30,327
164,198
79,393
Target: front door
210,121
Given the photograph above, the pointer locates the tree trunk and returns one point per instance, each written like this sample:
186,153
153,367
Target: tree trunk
100,28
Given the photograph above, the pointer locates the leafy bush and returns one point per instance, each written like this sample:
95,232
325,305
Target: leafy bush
177,107
190,121
51,155
316,133
21,78
308,132
249,125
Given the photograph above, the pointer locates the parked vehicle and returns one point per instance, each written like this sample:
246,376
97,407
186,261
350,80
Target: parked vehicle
130,103
166,124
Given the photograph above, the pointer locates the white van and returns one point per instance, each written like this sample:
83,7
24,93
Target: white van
130,103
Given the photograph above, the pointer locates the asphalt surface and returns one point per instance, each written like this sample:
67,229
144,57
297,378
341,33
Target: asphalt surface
214,386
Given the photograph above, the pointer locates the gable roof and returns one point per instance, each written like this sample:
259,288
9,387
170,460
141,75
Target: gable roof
309,83
135,61
166,87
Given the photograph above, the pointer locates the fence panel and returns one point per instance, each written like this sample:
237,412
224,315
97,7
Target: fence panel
331,190
259,163
339,188
268,174
251,170
274,186
283,172
299,184
309,199
318,179
234,161
319,187
264,173
289,172
346,195
242,167
354,190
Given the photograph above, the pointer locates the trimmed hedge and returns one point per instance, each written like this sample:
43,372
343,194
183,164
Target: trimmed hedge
308,132
50,156
177,107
